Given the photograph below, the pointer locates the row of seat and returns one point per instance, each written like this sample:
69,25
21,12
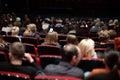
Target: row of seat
87,64
7,75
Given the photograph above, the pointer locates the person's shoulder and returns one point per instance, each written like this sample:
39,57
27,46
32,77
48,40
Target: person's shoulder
97,71
77,69
50,66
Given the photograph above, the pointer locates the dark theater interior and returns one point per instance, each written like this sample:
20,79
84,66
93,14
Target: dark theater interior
59,39
73,7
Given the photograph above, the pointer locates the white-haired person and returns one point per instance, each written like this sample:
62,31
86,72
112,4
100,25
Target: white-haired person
87,48
31,31
15,32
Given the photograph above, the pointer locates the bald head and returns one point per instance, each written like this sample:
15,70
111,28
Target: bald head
69,51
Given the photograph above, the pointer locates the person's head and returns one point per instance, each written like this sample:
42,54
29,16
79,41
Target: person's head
15,30
111,58
31,27
51,38
17,23
112,34
29,32
117,43
72,39
103,35
87,47
71,54
111,61
16,51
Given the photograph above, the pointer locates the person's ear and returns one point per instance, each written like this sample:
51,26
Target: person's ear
74,59
10,55
104,62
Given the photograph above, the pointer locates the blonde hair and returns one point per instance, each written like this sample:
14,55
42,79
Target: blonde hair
31,27
29,32
87,47
15,30
51,38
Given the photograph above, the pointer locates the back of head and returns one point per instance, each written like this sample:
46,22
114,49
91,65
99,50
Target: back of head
112,61
51,37
31,27
17,50
68,51
117,43
112,34
87,47
103,35
15,30
72,39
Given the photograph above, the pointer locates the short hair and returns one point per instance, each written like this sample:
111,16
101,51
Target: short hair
111,58
112,61
112,34
31,27
87,47
103,35
15,30
17,50
72,39
51,38
68,51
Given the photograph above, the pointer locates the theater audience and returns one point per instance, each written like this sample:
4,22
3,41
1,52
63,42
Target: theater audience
111,61
17,55
87,48
67,67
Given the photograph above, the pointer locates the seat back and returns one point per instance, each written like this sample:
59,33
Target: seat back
3,56
11,39
62,42
6,75
62,37
49,59
87,64
30,40
48,49
30,48
3,33
55,78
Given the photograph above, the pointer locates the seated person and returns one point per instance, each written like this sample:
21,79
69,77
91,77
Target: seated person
31,31
17,55
103,36
67,66
51,39
72,39
111,65
87,48
15,32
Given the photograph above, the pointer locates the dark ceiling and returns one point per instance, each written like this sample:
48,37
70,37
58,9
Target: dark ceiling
77,6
